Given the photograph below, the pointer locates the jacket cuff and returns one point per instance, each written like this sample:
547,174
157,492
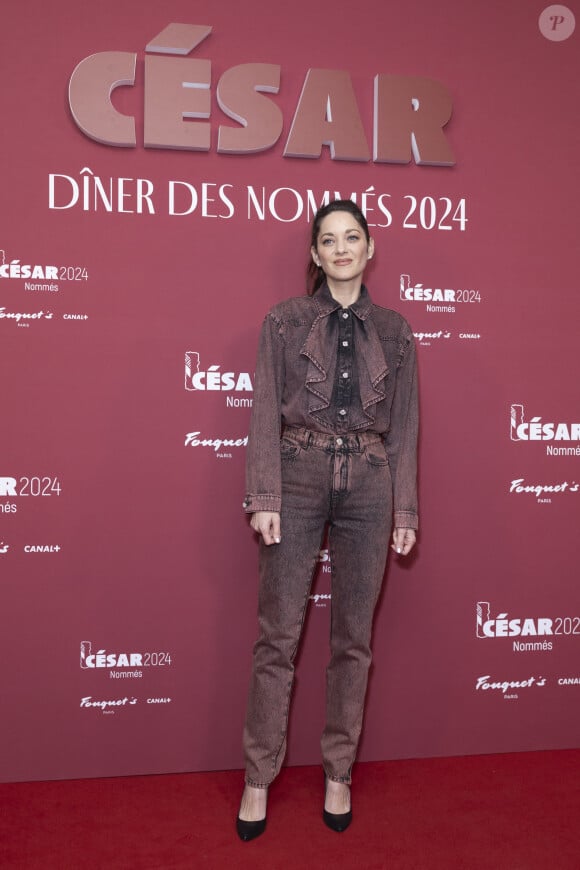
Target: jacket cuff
406,520
262,502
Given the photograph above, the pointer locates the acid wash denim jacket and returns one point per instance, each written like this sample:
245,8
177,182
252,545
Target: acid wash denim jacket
294,382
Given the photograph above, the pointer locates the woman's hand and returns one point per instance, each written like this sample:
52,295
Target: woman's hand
403,541
267,524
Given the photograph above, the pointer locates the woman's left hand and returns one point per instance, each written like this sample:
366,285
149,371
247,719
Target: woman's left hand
403,541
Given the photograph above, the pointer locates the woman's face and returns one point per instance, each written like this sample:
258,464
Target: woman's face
342,248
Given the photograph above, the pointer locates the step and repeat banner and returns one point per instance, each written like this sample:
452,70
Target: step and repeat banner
160,167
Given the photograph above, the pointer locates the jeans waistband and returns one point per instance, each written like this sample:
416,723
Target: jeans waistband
350,441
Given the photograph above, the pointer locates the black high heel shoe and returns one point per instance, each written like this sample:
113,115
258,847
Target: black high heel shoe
250,830
338,822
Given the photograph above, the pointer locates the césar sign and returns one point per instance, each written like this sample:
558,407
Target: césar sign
410,112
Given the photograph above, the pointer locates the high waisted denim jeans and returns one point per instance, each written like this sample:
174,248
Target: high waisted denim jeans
344,481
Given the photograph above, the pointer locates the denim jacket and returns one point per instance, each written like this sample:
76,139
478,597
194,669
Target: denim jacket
295,376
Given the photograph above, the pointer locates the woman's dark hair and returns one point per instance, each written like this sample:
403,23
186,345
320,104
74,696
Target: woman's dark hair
314,273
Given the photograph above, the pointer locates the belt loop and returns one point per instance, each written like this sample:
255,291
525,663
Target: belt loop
309,439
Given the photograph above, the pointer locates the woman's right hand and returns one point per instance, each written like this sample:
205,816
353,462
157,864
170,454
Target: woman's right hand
267,524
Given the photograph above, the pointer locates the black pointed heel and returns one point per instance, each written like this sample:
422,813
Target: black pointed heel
338,822
250,830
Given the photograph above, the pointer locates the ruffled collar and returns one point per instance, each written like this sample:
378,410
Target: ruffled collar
321,346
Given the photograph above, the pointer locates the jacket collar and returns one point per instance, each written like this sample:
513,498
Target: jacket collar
325,303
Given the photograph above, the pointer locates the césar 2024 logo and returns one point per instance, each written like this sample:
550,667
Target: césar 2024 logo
212,379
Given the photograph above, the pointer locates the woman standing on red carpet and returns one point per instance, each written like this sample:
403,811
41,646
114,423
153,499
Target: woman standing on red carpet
332,443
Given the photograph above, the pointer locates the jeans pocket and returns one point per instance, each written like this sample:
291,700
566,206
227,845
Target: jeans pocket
376,455
289,450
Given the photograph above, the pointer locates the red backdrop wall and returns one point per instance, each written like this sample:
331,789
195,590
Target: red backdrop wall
128,572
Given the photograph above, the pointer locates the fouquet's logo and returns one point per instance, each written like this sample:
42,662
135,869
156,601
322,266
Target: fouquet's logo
543,491
425,338
193,439
22,317
320,596
485,684
410,112
109,706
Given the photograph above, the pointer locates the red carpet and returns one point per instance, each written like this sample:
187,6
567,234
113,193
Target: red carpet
507,812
